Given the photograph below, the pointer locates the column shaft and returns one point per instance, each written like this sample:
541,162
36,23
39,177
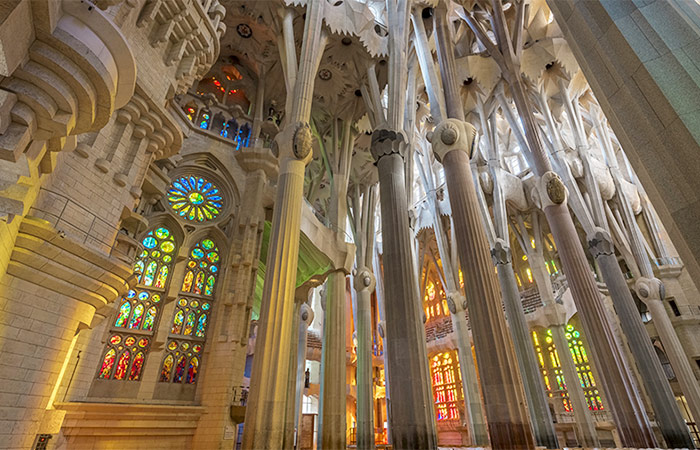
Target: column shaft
266,410
542,424
478,433
334,390
625,404
585,426
668,416
406,357
503,396
365,397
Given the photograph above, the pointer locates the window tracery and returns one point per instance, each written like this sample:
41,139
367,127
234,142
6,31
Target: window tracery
195,199
191,315
137,315
447,385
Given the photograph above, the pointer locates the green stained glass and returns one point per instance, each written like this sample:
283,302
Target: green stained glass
162,233
213,257
167,259
208,244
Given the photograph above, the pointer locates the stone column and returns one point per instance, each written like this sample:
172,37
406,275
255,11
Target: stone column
306,315
652,292
542,424
668,416
229,334
470,387
585,425
624,402
334,371
406,357
506,414
267,408
364,284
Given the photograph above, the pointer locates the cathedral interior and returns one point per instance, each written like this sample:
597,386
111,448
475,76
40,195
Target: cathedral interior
349,224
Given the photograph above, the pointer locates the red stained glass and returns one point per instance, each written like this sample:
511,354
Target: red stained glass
107,363
122,365
136,367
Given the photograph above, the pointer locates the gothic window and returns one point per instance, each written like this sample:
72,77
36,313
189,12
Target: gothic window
434,302
153,266
195,199
202,269
447,385
205,119
550,366
181,362
124,357
138,311
191,316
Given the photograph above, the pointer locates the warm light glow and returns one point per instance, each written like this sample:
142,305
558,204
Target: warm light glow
529,275
447,385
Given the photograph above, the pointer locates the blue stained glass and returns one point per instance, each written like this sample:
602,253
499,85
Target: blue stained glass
149,242
143,296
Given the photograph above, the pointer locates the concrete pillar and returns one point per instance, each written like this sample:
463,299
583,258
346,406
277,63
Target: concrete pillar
506,413
668,416
411,401
364,284
542,424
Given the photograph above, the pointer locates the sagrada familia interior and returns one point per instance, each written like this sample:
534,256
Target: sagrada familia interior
349,224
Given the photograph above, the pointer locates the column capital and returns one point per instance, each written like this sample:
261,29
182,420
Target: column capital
306,314
500,253
549,191
387,142
364,279
453,134
650,289
295,141
456,302
600,242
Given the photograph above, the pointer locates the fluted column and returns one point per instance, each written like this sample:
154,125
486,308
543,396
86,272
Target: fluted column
651,292
267,405
668,416
506,414
470,387
306,316
406,357
364,284
334,382
542,424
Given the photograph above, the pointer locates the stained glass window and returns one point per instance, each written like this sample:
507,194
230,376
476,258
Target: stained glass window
118,363
195,199
550,366
447,385
155,260
124,354
181,363
191,317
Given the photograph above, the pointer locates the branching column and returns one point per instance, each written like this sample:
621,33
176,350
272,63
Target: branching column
406,357
506,414
267,406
